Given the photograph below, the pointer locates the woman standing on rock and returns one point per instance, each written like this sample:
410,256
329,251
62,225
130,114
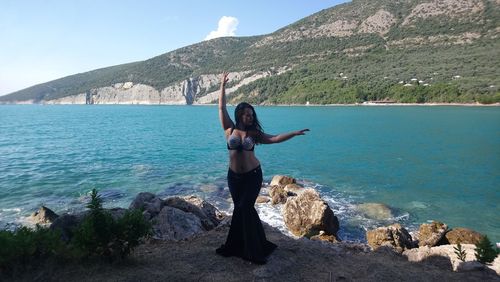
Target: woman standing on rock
246,237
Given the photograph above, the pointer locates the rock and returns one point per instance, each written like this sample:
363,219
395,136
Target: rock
495,265
462,236
141,199
375,211
43,215
431,234
262,199
323,237
307,214
209,216
294,189
66,223
148,202
128,85
278,194
175,224
282,180
448,252
393,236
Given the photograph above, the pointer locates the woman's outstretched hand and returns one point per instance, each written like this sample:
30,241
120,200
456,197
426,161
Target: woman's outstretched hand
301,132
224,78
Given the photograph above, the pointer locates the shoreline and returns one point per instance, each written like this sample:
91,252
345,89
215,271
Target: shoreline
295,259
365,104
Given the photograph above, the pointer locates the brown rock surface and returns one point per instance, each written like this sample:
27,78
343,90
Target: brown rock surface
278,194
43,215
393,236
430,234
294,189
463,236
282,180
307,214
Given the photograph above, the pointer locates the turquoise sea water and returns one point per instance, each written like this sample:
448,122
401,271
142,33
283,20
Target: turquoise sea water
425,163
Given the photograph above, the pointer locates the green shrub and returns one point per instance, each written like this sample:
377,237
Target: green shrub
25,245
460,252
485,252
101,235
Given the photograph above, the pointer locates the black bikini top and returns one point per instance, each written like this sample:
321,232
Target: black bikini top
235,143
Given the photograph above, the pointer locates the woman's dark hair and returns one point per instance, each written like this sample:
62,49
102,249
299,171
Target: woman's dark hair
256,126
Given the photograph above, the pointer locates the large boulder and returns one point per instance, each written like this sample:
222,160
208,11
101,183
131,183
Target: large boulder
462,236
209,215
282,180
307,215
278,194
149,203
431,233
175,224
393,236
44,215
67,223
375,211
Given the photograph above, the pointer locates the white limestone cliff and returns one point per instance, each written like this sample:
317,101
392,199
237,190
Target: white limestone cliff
186,92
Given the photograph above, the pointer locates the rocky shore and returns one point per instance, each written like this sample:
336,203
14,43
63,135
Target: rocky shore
187,230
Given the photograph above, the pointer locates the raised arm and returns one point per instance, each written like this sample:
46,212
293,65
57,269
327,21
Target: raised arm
225,120
271,139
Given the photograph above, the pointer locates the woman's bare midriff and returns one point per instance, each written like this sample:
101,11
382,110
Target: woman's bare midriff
241,162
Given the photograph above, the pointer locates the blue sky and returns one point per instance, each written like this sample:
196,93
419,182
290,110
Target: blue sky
45,40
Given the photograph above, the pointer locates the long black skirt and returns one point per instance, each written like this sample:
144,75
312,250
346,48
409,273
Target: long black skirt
246,237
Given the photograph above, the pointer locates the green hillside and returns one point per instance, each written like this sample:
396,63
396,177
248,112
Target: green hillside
355,52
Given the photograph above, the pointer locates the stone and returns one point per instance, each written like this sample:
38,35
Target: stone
393,236
147,202
66,223
462,236
43,215
424,253
175,224
430,234
324,237
141,199
307,214
375,211
294,189
278,194
209,216
282,180
262,199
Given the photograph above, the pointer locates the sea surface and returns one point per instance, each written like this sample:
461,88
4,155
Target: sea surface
425,163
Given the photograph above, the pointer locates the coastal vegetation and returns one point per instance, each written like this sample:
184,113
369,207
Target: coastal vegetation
485,252
99,235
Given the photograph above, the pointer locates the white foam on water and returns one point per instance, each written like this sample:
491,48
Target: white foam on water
17,210
272,215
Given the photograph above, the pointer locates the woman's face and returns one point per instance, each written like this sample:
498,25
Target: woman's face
247,117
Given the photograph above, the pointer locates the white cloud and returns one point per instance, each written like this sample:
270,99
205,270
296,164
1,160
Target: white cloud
227,27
